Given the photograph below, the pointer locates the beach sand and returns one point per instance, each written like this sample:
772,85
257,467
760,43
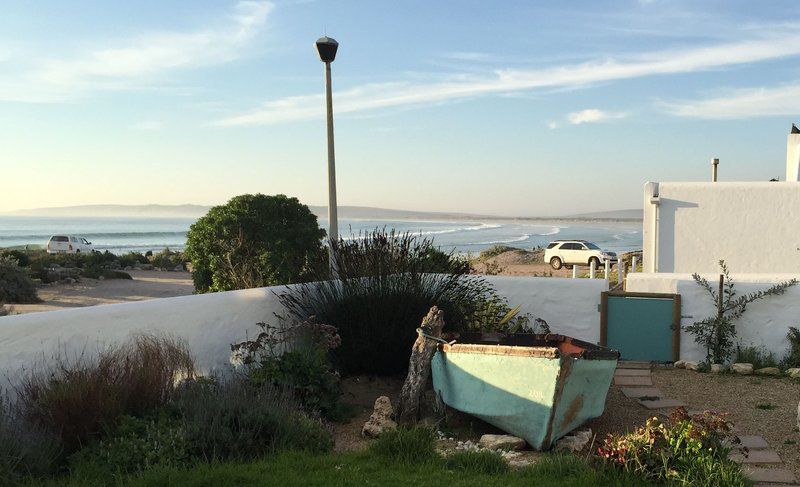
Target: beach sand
92,292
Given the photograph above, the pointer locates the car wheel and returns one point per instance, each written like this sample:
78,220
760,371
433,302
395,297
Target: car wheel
555,263
596,262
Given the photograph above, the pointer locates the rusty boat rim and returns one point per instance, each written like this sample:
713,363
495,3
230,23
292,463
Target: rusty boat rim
527,345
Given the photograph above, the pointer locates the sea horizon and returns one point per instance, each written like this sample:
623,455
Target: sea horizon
141,234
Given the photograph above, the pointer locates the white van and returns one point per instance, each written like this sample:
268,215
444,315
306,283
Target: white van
68,244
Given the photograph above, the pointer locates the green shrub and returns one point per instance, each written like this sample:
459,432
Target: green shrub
253,241
131,259
684,450
77,397
15,285
20,256
476,462
758,356
96,273
234,418
167,259
406,445
133,445
25,449
792,358
295,357
385,287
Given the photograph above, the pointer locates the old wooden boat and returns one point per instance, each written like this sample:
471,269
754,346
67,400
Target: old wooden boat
536,387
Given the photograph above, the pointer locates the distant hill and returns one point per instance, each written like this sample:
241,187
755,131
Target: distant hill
346,212
611,215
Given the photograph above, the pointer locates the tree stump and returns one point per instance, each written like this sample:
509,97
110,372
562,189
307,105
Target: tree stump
419,366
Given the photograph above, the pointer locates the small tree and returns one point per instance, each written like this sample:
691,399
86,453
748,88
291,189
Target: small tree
253,241
717,333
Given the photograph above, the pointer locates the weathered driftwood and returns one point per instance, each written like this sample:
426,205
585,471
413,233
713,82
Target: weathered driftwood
419,367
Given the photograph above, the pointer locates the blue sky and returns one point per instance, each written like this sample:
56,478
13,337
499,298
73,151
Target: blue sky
505,108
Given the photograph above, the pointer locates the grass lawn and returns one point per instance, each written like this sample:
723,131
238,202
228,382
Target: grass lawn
289,469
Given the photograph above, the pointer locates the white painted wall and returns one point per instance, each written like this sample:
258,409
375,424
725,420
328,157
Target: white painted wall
753,226
210,323
765,323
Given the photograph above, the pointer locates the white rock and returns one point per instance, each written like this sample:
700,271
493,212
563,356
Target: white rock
768,371
794,372
742,368
381,419
717,368
501,442
690,365
679,364
574,442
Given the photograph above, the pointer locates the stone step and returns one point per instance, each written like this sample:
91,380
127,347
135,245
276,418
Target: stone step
631,372
752,442
632,364
638,392
633,381
771,476
665,403
755,457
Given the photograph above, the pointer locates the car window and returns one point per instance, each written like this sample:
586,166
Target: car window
552,244
59,238
592,246
569,246
582,247
73,239
85,241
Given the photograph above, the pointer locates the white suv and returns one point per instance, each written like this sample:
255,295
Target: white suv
576,252
68,244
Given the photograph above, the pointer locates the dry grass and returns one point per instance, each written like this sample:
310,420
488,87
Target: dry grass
741,396
75,397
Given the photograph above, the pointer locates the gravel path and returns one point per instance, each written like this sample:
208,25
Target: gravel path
763,406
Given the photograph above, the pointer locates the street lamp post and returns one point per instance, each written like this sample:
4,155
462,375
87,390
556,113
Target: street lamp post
326,48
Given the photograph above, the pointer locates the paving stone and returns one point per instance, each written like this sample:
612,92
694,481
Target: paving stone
753,442
770,475
630,364
756,457
637,392
666,403
633,381
630,372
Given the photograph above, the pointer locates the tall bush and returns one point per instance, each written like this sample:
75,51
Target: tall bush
25,449
253,241
386,283
76,397
15,285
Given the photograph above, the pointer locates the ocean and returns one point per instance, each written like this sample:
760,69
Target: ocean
120,235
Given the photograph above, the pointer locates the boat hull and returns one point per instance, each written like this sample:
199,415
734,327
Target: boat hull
537,393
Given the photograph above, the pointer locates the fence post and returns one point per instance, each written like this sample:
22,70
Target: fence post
620,271
592,269
607,270
633,264
574,271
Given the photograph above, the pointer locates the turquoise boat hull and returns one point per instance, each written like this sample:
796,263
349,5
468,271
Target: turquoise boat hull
536,387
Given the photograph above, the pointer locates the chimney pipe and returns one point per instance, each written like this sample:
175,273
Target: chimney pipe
714,164
793,155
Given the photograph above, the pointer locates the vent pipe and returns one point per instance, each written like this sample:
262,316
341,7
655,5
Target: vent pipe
793,155
714,164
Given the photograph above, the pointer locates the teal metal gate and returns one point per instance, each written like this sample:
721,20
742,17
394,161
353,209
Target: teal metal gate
641,326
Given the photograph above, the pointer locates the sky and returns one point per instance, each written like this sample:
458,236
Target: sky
514,108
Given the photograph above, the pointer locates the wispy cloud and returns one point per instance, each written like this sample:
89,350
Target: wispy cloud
137,60
593,115
740,104
781,43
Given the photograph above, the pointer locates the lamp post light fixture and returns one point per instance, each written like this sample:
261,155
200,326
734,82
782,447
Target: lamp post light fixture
326,48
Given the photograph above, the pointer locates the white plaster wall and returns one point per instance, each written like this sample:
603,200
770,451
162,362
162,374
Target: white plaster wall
753,226
210,323
569,306
765,323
